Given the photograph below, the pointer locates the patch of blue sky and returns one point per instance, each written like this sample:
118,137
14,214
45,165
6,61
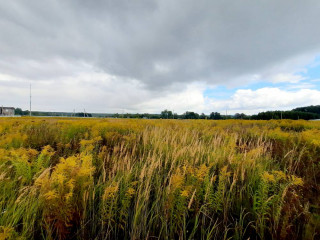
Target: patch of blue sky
312,74
222,92
219,92
313,69
311,81
257,85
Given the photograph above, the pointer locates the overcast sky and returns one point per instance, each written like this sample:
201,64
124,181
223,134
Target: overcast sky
146,56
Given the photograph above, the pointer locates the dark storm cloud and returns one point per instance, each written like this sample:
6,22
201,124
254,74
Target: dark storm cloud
155,42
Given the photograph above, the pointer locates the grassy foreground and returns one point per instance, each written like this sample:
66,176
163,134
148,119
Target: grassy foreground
159,179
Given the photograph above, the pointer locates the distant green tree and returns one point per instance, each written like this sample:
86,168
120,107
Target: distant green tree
203,116
191,115
18,111
215,116
240,116
81,114
166,114
310,109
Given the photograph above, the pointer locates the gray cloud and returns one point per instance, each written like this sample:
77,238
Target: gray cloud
155,42
148,55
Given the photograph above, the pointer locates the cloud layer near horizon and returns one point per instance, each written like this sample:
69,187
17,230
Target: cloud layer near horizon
149,55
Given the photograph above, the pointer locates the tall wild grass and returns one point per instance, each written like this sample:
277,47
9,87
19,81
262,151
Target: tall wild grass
159,179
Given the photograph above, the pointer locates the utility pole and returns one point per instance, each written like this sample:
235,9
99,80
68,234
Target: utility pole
30,101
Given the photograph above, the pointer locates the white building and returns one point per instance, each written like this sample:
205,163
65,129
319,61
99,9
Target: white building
6,111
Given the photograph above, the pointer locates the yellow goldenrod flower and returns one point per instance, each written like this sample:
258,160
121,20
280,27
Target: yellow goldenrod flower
109,192
296,180
202,172
60,178
185,193
134,183
224,171
130,192
268,177
279,175
176,181
51,195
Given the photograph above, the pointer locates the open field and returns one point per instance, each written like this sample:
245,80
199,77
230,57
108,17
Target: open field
159,179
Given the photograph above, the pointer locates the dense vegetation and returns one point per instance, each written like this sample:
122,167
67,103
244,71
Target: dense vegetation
310,109
294,115
159,179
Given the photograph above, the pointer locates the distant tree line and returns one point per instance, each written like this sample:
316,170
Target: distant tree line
295,115
19,111
310,109
307,113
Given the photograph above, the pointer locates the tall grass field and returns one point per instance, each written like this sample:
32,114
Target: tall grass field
159,179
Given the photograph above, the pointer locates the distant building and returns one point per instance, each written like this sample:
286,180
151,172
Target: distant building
6,111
